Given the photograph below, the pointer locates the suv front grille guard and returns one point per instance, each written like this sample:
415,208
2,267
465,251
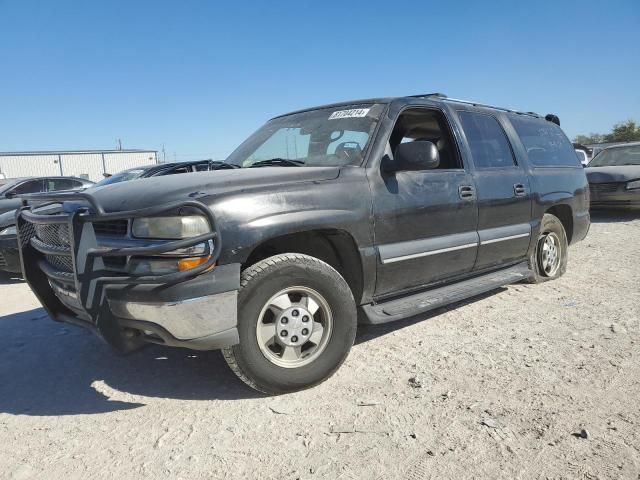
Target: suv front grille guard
60,251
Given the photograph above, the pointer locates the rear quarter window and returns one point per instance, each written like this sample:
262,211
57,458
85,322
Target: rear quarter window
545,142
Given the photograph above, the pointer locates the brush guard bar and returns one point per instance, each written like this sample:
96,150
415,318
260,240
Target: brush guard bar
81,292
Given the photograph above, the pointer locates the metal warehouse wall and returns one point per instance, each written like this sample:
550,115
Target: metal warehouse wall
90,165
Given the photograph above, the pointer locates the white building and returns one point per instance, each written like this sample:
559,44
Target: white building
91,164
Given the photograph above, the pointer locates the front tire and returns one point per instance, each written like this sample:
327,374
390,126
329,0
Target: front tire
549,259
296,323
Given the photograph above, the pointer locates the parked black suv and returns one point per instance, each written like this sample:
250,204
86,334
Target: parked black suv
374,210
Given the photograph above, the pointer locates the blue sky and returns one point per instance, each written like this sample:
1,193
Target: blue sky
199,76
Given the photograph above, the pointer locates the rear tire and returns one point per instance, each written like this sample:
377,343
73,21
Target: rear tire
296,323
549,258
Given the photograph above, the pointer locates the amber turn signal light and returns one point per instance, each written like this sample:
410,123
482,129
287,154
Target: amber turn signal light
189,263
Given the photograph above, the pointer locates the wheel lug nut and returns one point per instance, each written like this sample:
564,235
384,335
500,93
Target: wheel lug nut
284,333
305,318
284,320
305,331
294,339
295,313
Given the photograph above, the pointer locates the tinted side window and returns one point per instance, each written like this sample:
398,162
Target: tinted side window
489,144
177,170
54,184
32,186
545,142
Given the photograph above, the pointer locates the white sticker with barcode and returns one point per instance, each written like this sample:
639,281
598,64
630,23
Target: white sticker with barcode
353,113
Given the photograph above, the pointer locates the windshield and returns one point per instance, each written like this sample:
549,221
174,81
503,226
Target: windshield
4,188
618,156
120,177
325,137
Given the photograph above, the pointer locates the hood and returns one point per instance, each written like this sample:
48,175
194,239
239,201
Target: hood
7,218
165,189
622,173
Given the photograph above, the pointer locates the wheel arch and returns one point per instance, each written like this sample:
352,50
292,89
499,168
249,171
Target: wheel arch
564,213
335,247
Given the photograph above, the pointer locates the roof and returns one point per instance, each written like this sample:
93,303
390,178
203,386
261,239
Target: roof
72,152
162,166
5,181
437,97
614,144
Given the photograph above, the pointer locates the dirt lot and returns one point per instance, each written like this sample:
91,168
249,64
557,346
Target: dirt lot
503,387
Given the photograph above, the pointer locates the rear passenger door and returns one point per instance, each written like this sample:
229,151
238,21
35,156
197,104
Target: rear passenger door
503,191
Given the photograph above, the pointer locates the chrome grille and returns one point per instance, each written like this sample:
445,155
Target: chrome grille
597,188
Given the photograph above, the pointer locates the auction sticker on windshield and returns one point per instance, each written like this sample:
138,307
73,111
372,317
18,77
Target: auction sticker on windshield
353,113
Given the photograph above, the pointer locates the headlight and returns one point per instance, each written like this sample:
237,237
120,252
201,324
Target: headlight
9,231
633,185
170,228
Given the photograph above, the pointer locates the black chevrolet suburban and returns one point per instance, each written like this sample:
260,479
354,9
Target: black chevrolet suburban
367,211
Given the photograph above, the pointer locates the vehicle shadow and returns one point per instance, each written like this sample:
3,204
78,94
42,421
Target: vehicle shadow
7,278
371,332
49,368
614,216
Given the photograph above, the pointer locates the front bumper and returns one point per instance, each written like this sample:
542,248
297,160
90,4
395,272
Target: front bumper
9,255
65,267
200,313
613,195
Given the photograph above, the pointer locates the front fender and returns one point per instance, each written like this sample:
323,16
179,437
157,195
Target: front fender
248,219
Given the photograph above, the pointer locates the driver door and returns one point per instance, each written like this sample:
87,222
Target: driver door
425,221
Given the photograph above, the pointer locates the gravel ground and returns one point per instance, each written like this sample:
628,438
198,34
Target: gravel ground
500,387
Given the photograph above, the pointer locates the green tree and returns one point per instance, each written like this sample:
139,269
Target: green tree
587,139
628,131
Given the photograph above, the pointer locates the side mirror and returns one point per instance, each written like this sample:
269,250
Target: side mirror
10,195
415,156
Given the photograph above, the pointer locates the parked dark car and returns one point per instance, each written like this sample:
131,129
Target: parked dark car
11,189
9,260
614,177
374,210
162,169
9,257
9,202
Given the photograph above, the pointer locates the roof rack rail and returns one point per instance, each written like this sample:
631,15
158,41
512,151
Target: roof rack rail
445,98
425,95
478,104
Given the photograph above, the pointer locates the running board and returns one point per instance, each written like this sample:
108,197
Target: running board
411,305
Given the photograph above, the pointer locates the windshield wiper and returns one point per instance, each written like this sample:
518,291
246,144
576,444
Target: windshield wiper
282,162
220,165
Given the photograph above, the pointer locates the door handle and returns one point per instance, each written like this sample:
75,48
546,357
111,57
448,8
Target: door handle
466,192
520,190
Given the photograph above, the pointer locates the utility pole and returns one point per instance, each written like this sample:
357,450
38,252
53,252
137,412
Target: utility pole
119,144
164,154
